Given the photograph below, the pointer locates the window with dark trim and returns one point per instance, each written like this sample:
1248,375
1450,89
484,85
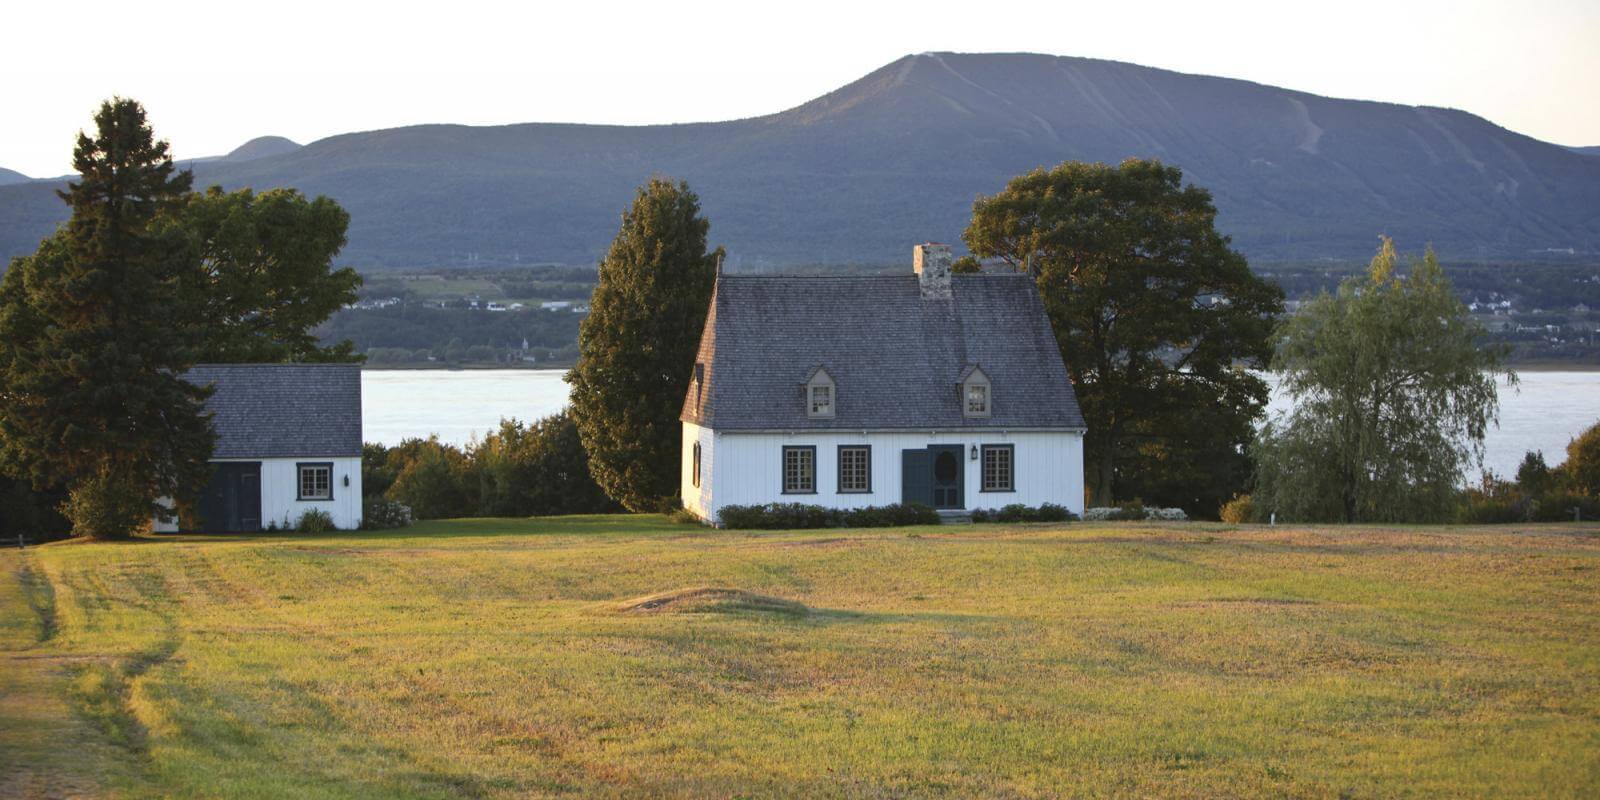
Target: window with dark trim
855,468
800,470
695,469
314,481
998,468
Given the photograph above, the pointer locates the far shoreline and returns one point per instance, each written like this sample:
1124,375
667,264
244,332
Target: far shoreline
1531,366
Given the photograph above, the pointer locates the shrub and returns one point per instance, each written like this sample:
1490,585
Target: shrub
1239,509
315,520
1017,512
1134,510
379,514
796,516
1558,506
107,505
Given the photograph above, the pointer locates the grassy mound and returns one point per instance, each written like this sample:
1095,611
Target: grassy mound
711,599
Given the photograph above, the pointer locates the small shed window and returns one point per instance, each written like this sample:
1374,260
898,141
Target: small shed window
800,470
315,482
695,467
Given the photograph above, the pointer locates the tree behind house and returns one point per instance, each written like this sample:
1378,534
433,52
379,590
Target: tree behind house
637,347
1392,396
91,355
261,275
1155,316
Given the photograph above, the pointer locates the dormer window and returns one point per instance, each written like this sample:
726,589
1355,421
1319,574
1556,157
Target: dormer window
820,393
977,400
975,392
822,401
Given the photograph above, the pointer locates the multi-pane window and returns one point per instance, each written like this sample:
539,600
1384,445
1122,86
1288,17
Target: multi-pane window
997,468
855,468
316,481
799,470
822,401
977,399
695,473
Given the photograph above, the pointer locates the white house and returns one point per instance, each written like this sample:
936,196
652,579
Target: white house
288,440
947,390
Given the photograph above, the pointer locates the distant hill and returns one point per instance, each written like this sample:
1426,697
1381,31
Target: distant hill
259,147
895,158
8,177
262,147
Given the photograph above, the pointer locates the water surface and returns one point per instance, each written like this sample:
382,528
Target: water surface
458,405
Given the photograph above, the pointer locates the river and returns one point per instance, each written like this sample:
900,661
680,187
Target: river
1547,410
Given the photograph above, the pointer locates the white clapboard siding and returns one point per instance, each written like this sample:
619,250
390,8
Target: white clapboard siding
746,468
279,477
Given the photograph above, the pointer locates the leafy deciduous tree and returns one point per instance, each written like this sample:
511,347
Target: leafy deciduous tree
262,278
537,469
1393,395
1155,316
1582,467
636,348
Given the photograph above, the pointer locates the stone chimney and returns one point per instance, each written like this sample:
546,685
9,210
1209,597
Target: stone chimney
931,262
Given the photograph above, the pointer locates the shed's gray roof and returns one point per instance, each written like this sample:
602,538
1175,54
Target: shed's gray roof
283,410
895,357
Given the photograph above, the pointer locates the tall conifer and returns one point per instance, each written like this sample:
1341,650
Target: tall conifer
636,349
91,396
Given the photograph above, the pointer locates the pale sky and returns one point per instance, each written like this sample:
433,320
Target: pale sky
215,74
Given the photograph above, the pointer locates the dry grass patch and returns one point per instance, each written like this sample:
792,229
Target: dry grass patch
498,658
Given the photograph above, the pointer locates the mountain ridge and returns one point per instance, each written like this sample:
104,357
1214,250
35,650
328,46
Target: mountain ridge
897,156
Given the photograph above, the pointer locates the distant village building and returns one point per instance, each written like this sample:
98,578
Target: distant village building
941,389
288,440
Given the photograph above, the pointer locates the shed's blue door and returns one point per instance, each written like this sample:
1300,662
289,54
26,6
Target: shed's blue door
232,500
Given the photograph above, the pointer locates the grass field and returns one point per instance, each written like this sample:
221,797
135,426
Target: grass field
627,656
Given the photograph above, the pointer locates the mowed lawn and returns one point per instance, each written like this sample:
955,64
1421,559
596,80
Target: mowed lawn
517,658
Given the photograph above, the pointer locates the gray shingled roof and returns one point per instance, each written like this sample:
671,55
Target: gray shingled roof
895,357
283,410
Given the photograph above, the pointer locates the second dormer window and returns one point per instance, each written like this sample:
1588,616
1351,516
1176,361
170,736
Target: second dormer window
822,401
977,400
975,392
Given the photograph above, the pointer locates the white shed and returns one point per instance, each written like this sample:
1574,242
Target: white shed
288,440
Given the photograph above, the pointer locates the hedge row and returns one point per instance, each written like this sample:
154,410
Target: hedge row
785,516
1017,512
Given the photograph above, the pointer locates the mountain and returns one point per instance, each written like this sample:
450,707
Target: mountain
1593,150
8,177
259,147
895,158
262,147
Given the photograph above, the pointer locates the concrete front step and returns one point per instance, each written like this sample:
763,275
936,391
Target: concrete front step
954,516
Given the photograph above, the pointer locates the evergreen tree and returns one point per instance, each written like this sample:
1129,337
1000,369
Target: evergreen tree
636,349
1155,316
1393,395
91,353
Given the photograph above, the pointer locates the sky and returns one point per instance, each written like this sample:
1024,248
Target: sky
213,75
